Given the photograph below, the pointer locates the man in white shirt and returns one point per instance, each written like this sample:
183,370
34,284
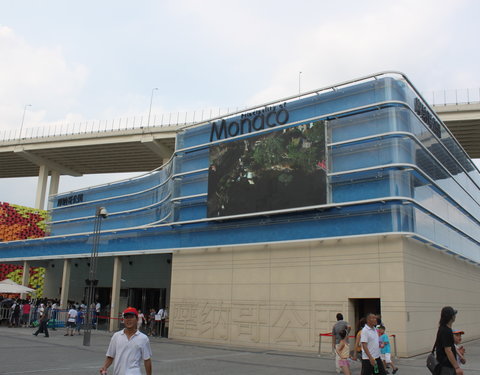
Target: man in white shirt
128,347
40,311
371,348
163,314
71,321
97,314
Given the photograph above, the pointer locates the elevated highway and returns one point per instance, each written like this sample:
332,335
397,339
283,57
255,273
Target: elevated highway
463,120
114,151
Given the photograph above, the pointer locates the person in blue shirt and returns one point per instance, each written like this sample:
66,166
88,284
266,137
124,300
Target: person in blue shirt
79,320
385,351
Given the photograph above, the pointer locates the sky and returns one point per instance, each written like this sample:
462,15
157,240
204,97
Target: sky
100,60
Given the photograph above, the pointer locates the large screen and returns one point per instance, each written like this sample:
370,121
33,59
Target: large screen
273,171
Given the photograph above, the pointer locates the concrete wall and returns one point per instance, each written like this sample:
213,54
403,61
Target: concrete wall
435,279
283,296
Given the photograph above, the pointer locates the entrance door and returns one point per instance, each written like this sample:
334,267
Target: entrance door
147,298
364,306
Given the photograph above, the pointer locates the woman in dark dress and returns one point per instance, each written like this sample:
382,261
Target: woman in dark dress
445,346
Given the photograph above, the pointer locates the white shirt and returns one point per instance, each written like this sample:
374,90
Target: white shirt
370,336
128,353
72,315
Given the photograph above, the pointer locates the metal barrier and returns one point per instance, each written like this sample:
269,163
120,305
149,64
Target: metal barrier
5,313
58,319
394,343
452,97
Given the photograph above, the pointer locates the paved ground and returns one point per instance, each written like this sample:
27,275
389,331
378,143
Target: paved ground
22,353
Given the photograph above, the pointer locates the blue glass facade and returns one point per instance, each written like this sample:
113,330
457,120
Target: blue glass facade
389,171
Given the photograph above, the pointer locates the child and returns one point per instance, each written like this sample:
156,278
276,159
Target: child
343,352
385,349
457,339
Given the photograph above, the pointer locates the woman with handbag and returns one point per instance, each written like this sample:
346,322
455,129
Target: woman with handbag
445,345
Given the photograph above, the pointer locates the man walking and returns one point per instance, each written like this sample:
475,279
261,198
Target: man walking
128,347
371,362
43,322
338,327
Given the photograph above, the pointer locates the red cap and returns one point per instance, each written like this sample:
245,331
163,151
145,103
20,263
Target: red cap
130,310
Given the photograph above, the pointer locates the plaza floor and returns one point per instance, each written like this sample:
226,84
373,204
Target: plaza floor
22,353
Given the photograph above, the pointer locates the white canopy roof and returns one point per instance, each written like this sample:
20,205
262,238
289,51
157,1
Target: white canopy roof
10,286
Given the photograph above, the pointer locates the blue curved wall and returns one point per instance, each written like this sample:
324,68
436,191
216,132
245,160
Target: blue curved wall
389,170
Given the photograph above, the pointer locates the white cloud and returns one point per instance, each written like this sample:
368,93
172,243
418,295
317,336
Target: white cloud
40,76
408,36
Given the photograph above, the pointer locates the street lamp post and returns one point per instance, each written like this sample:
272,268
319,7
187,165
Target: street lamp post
299,79
23,119
150,109
92,282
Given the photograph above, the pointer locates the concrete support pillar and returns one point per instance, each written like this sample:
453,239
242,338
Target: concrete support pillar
65,283
116,285
41,187
54,182
25,277
26,273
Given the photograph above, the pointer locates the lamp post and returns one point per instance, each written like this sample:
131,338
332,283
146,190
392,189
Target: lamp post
92,282
150,109
23,119
299,79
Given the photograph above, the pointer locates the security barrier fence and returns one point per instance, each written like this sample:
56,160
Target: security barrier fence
57,319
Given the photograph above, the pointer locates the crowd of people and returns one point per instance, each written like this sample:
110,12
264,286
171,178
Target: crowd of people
372,346
46,313
27,313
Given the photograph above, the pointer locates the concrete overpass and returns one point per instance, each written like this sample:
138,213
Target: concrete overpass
113,151
463,120
146,148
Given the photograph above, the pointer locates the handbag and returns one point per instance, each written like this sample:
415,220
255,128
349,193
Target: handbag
432,362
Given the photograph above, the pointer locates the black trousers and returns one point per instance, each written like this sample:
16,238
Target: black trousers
42,328
367,368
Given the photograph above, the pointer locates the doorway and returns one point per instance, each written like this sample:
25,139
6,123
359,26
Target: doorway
363,306
147,298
